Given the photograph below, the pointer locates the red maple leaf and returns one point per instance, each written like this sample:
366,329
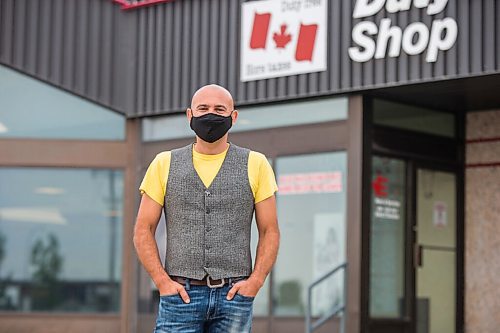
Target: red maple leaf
282,38
379,186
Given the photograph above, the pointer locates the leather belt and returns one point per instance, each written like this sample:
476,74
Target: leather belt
208,281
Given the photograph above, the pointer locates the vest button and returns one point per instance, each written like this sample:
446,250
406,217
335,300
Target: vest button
207,211
207,193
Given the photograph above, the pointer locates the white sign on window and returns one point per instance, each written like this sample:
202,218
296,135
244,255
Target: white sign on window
312,182
283,37
440,216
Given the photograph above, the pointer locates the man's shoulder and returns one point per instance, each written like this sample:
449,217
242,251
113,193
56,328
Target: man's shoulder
164,156
257,155
256,159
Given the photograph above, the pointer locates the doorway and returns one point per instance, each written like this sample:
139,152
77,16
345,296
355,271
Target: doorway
413,247
413,221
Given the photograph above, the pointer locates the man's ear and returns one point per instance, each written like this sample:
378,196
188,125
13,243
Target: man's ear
234,115
189,114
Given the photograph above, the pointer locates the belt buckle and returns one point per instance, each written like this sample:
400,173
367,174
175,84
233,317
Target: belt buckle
216,285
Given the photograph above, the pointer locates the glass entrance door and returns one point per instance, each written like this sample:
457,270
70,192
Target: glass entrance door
435,251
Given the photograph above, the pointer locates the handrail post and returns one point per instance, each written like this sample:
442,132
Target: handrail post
344,313
308,313
310,327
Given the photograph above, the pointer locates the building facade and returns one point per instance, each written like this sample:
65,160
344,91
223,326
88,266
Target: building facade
381,120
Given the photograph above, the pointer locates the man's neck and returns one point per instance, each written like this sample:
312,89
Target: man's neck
208,148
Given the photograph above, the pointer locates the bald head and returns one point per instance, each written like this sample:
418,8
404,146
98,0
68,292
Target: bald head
209,102
212,94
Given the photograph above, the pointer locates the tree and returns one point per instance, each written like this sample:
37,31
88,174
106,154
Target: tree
47,263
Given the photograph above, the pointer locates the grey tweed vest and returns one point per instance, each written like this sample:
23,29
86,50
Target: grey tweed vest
208,229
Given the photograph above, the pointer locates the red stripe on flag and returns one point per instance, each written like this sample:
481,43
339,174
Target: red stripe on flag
305,42
259,30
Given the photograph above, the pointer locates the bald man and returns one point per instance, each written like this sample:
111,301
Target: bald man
209,191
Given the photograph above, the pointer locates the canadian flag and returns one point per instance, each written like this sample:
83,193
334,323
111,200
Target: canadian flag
306,36
282,38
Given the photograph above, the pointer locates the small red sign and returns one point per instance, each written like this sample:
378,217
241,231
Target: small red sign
136,4
379,186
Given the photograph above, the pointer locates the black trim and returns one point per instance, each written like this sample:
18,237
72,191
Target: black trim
460,245
401,143
366,215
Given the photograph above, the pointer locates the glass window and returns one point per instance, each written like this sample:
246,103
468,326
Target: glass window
32,109
312,215
413,118
387,237
60,239
254,118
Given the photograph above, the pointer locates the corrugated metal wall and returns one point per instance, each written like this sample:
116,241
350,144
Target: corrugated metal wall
77,45
150,60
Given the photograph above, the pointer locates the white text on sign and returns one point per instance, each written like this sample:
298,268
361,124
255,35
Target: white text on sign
373,42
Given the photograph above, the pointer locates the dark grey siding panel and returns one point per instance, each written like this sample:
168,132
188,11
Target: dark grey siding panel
19,35
476,32
345,22
141,62
463,37
403,63
451,57
159,56
57,33
149,60
6,30
497,33
489,35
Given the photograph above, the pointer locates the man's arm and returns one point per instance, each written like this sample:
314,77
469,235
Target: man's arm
145,244
267,249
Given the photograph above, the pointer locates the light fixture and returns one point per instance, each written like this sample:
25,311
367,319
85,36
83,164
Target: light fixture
244,121
3,128
112,213
46,215
49,190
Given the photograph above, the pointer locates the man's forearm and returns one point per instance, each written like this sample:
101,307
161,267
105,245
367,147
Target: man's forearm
267,251
147,251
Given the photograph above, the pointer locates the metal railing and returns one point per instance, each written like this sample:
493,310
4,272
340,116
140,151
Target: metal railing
310,326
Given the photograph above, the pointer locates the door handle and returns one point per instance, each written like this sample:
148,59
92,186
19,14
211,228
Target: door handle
417,255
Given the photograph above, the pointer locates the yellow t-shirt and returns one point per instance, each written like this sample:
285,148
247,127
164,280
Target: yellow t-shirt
260,174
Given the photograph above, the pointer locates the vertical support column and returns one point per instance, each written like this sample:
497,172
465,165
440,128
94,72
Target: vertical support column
354,213
128,320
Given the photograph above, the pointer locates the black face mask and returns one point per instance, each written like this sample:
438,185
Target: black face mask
211,127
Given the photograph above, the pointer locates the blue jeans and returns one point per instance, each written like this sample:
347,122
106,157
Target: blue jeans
209,311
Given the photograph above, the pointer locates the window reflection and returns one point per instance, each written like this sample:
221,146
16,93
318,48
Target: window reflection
311,213
253,118
387,237
60,239
30,108
413,118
